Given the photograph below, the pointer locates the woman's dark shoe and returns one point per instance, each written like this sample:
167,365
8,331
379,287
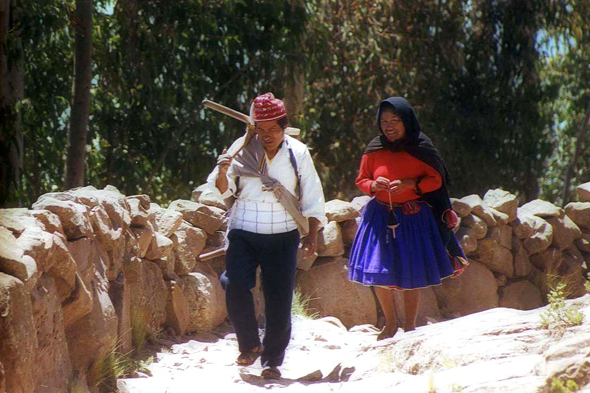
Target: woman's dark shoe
249,357
270,373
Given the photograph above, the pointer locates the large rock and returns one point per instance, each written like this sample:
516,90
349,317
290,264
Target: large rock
473,291
63,268
167,220
49,221
583,191
539,279
17,336
120,296
205,298
579,212
209,198
52,362
467,239
111,200
108,237
202,216
338,210
548,260
480,209
304,263
502,234
13,261
541,235
138,211
78,304
478,226
360,202
583,243
188,243
17,220
38,244
572,275
74,217
522,263
177,308
332,294
84,252
160,247
148,294
427,308
94,335
565,231
349,229
502,201
521,295
330,242
461,208
541,208
143,237
496,257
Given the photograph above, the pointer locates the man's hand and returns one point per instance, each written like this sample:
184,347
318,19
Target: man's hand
309,246
224,161
309,242
381,184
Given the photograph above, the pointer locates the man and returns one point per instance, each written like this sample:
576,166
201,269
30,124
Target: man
278,195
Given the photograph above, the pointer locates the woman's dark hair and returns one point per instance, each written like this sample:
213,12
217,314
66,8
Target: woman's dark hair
390,109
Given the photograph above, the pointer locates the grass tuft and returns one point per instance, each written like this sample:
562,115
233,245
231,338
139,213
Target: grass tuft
300,305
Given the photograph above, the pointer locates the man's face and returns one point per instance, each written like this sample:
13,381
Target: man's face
271,134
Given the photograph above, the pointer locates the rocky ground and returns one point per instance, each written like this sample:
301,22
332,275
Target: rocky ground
499,350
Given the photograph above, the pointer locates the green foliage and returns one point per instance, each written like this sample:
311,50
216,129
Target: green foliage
497,85
111,365
300,305
559,316
560,386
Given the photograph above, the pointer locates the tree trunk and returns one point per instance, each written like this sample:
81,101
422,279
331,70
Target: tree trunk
11,92
81,98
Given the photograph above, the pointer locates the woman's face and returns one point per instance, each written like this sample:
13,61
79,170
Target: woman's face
271,134
392,126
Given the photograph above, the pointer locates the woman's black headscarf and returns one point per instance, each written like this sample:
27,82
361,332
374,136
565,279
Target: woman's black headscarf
420,146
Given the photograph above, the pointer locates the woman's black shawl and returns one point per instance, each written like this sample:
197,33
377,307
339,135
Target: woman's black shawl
420,146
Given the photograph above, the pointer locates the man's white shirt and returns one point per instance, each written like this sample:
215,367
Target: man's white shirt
260,211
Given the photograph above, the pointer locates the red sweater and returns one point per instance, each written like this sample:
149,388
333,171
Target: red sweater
396,166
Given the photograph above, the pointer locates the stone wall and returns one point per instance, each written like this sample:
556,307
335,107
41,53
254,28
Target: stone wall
87,270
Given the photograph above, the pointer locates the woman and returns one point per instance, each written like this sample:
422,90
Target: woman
271,176
405,239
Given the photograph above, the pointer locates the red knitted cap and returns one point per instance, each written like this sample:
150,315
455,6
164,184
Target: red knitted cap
266,108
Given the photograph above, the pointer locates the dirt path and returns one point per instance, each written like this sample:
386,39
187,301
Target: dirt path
316,359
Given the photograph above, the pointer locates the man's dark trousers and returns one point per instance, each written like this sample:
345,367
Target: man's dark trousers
277,256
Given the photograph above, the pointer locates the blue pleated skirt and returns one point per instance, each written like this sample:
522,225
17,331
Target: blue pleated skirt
415,258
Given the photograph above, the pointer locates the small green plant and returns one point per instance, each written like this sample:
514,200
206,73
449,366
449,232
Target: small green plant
141,331
559,386
111,365
587,284
300,305
560,315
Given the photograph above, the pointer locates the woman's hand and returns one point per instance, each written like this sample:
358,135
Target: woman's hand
398,186
381,184
224,161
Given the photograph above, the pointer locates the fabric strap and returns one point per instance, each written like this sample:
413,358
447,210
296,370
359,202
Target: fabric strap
249,165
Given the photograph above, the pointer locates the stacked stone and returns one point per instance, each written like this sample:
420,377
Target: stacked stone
514,254
84,268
